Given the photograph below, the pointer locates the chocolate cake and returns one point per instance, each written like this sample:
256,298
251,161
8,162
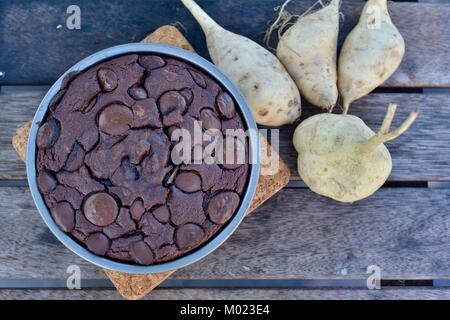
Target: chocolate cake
105,160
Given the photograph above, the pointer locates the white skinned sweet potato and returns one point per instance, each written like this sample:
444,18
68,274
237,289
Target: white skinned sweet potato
259,75
340,157
308,50
370,54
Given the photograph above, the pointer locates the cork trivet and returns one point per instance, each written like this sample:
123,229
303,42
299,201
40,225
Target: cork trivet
20,139
133,286
171,36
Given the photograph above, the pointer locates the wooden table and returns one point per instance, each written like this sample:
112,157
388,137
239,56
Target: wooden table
298,245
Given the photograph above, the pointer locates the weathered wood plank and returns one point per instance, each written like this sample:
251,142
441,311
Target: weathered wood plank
433,1
236,294
422,154
295,235
16,109
33,30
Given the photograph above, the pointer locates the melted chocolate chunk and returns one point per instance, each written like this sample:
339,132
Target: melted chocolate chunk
46,182
225,104
142,253
171,105
52,105
100,209
98,243
75,159
137,93
188,182
210,120
188,235
64,216
151,62
47,134
188,95
107,79
105,166
198,78
222,206
115,119
137,209
162,214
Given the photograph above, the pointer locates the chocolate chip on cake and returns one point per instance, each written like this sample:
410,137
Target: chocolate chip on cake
210,120
47,134
172,101
142,253
222,206
162,214
225,105
188,182
198,78
151,62
107,79
137,93
100,209
115,119
137,209
188,235
75,159
98,243
64,216
187,94
46,182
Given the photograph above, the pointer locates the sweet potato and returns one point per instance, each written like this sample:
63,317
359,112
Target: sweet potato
340,157
371,53
308,50
260,76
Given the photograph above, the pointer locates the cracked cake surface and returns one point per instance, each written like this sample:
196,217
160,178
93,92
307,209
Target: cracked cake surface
104,159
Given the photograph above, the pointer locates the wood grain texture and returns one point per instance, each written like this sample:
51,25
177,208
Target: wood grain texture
423,25
236,294
421,154
16,109
294,235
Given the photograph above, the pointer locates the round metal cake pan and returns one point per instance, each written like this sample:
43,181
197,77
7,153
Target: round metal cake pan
221,235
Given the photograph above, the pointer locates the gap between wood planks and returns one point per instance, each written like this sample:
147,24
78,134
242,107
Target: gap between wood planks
293,184
220,283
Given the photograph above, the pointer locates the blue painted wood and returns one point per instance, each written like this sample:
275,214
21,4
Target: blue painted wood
36,46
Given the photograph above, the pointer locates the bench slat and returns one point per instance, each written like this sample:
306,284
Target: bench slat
235,294
295,235
421,154
37,47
